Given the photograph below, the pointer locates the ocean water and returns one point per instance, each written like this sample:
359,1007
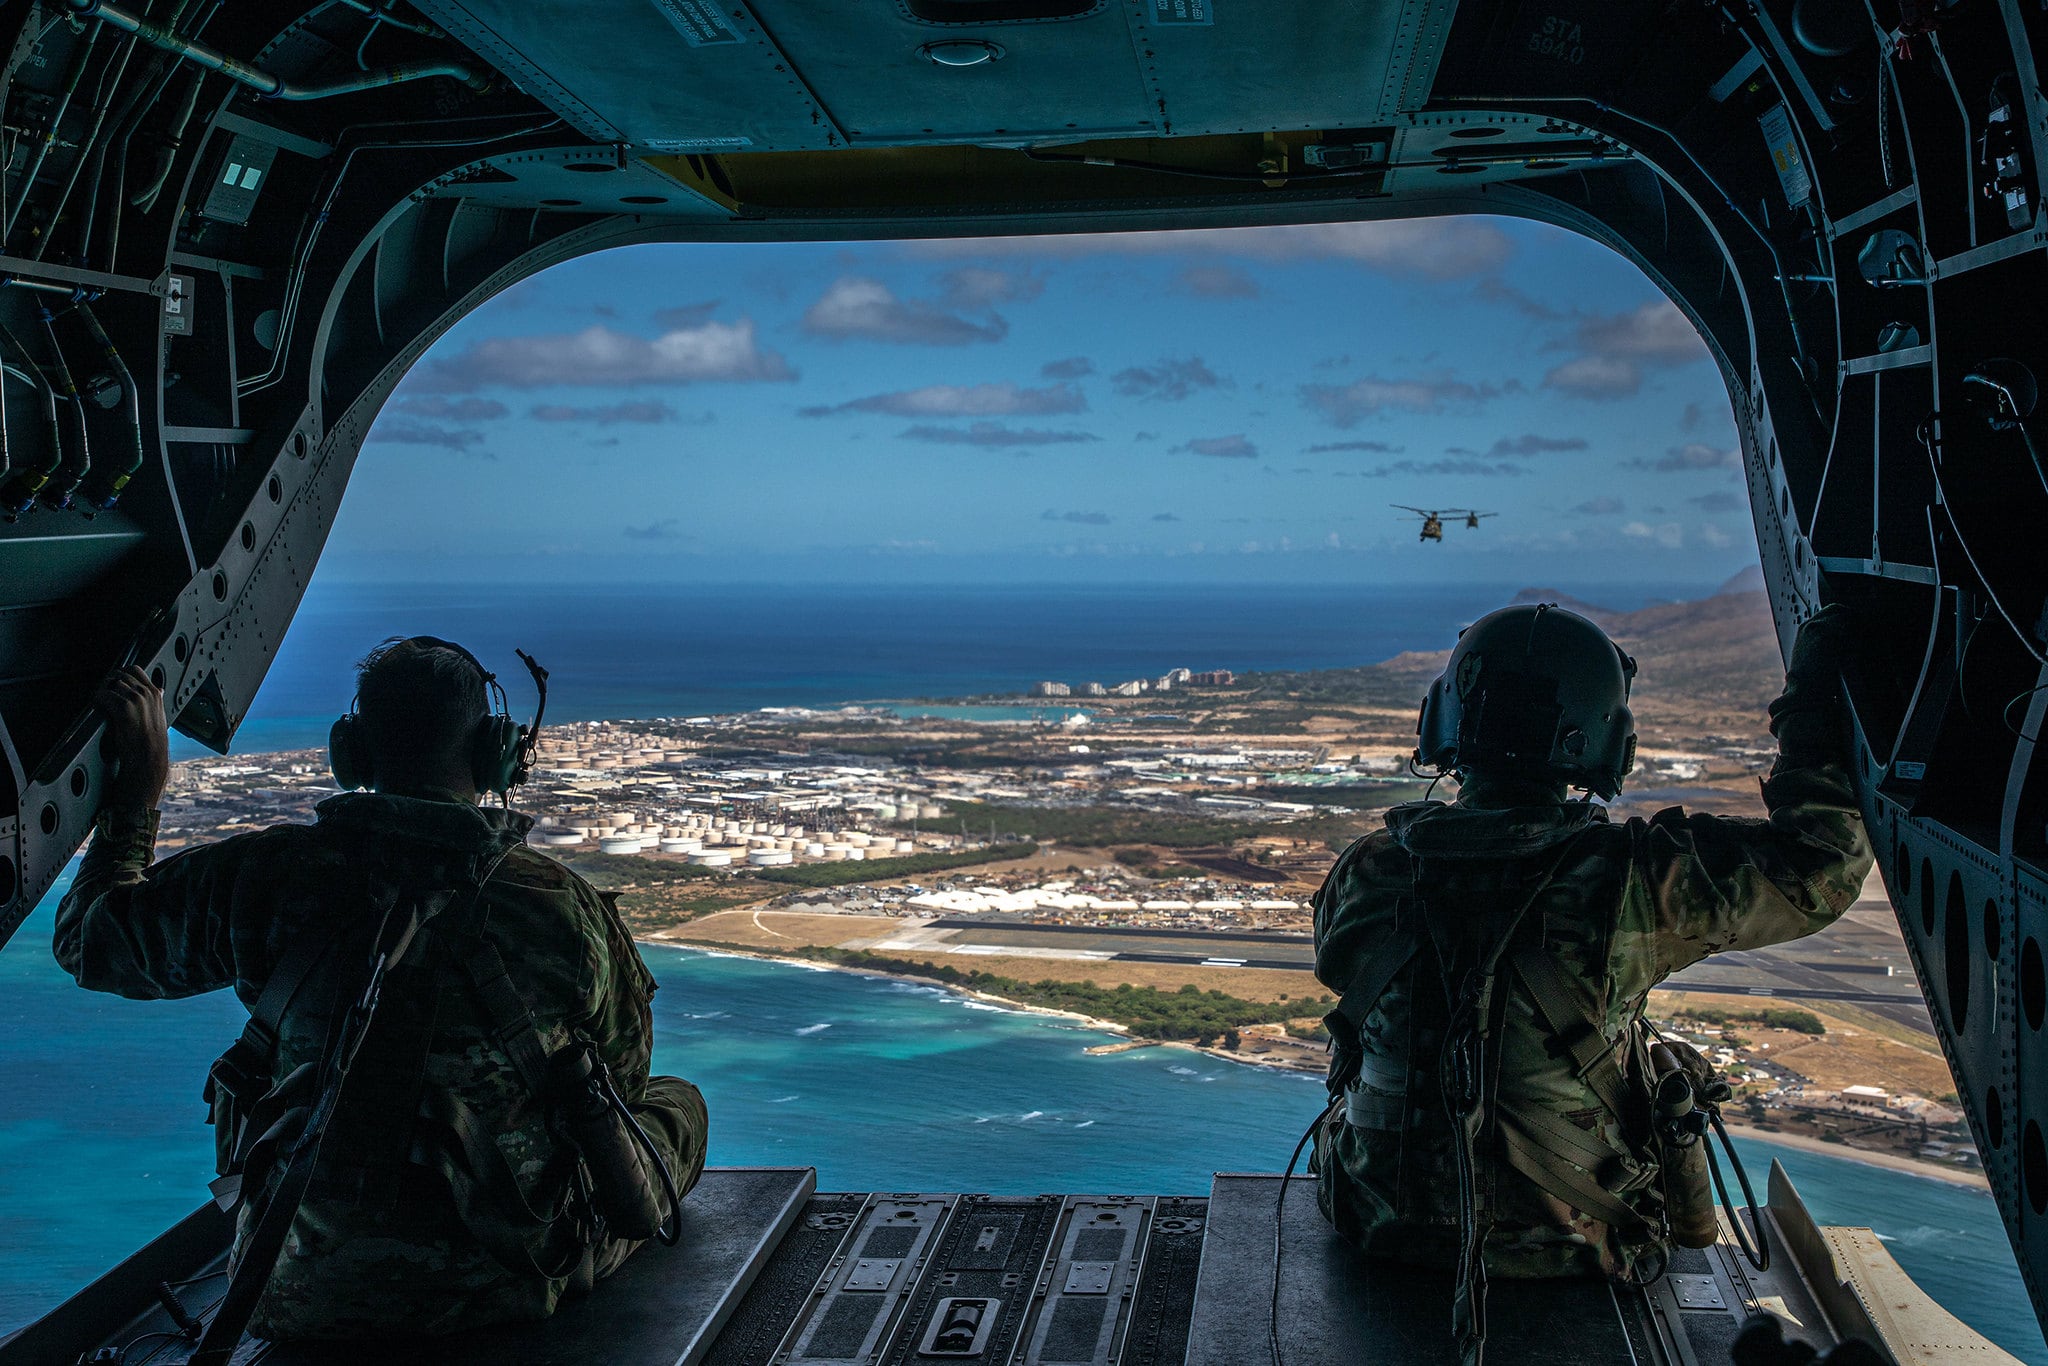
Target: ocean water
669,650
880,1084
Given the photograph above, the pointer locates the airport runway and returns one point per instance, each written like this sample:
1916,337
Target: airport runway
1760,973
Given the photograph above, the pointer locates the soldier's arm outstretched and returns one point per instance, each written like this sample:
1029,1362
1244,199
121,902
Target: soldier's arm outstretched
1716,883
125,927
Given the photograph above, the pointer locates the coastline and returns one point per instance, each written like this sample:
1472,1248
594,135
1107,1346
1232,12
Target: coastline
1122,1032
1973,1178
1124,1041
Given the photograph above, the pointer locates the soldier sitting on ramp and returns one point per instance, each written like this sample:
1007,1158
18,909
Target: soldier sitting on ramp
1498,1102
440,1115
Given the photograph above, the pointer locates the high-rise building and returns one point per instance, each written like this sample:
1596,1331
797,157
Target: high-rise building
1050,689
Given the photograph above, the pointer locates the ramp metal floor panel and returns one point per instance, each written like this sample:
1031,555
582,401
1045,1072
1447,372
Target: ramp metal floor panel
770,1272
1338,1306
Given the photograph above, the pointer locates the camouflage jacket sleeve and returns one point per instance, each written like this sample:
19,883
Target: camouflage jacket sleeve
1352,907
621,1022
148,933
1713,883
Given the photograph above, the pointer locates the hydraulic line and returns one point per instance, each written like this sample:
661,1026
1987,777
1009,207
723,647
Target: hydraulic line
56,495
264,82
148,88
91,150
35,167
6,460
18,494
104,489
167,146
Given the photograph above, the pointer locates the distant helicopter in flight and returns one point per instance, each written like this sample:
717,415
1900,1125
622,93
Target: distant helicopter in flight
1433,520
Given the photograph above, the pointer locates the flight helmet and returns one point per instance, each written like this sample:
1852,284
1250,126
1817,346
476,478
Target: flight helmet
1533,691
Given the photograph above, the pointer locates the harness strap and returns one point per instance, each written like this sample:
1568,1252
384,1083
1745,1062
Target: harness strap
511,1019
396,933
294,967
1534,1156
1574,1021
1368,983
1470,1079
260,1251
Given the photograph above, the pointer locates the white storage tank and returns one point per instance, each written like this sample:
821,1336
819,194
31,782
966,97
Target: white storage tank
617,844
814,850
561,839
681,846
707,859
930,811
770,858
905,847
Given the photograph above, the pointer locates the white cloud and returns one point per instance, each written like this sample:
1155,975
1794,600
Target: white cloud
1666,535
601,356
994,434
1656,332
1343,405
857,308
1596,377
962,400
1233,447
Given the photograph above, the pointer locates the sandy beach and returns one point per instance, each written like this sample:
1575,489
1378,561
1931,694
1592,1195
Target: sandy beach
1912,1166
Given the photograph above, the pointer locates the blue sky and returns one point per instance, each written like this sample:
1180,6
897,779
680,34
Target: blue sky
1200,406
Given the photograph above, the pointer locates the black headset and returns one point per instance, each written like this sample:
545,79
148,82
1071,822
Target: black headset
501,752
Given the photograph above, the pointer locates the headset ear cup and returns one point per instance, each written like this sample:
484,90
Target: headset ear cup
348,754
495,760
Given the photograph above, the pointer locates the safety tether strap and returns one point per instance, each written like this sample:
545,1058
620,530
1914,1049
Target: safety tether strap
511,1019
1574,1020
402,917
294,967
259,1252
1469,1070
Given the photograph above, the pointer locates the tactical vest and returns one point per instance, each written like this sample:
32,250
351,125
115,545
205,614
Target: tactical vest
403,1133
1495,1030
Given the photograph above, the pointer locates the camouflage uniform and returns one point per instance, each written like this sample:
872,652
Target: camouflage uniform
1623,906
391,1249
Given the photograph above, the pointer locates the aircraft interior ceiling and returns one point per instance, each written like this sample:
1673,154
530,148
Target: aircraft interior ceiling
228,230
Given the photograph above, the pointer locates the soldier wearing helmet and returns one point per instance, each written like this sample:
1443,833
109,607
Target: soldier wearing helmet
1491,1078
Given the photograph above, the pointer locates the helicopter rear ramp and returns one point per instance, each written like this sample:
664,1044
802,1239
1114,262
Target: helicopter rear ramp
770,1272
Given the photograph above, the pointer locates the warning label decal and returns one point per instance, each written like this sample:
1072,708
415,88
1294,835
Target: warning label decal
700,22
1164,12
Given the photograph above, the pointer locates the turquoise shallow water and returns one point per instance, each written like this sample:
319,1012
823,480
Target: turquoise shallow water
880,1084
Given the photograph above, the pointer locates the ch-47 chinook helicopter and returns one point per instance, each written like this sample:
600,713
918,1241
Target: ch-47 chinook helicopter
1433,521
227,231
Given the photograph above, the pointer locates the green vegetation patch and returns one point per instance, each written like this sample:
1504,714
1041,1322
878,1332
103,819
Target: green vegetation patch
1771,1017
882,869
1188,1014
1097,826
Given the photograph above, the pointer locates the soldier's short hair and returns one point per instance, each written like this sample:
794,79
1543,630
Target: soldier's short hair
418,699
